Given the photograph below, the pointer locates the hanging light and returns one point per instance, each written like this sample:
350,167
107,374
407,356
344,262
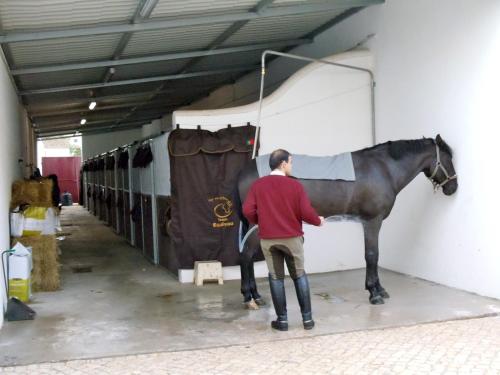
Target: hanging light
92,105
83,121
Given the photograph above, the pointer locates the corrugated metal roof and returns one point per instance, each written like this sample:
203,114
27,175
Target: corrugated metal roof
173,40
50,34
279,28
170,9
148,70
73,77
41,14
224,61
121,90
277,3
64,50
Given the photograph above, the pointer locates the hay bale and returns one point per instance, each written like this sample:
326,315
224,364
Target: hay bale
45,274
45,192
33,192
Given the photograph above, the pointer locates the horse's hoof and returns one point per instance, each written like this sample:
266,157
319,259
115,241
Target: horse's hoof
382,293
251,305
377,300
260,301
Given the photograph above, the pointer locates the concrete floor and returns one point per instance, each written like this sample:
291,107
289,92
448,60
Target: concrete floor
128,306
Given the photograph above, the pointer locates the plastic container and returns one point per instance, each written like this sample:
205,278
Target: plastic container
20,288
67,199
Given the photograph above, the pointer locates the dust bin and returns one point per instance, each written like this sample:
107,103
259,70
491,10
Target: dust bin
67,199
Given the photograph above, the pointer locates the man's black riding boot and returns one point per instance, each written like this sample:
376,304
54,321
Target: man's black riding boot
304,298
279,301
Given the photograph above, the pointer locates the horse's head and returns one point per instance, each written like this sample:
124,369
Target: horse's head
441,171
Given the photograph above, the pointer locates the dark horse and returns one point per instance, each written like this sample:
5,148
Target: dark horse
382,172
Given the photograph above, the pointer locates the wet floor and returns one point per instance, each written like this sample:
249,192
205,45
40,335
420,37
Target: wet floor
113,302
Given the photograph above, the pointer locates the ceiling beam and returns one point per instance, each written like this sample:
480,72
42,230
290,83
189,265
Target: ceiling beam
230,31
183,22
156,58
310,36
142,12
99,130
91,124
139,80
86,110
40,107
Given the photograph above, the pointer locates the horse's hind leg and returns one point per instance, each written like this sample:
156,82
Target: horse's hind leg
246,278
372,284
253,286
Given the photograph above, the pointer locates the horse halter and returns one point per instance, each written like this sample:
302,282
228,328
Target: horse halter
438,166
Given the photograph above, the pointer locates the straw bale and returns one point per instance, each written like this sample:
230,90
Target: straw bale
45,274
33,192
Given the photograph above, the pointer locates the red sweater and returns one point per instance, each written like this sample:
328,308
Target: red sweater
279,204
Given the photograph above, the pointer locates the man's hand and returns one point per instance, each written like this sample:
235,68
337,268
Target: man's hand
323,221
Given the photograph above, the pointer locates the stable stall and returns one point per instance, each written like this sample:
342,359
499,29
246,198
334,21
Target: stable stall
92,186
162,188
121,173
142,164
84,182
135,200
205,209
101,188
110,189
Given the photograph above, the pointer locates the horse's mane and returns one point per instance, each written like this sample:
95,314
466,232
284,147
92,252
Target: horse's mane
398,149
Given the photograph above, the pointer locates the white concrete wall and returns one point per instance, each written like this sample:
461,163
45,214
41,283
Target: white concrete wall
98,143
436,66
157,126
151,129
11,121
28,144
438,72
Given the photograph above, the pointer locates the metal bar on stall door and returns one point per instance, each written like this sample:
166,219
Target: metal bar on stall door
130,198
105,189
115,172
85,203
154,209
142,211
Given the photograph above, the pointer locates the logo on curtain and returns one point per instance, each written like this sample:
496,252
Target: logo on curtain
222,209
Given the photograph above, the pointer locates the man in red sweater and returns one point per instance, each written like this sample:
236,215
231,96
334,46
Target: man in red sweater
279,205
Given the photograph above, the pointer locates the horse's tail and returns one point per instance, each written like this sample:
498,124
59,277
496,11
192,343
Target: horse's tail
244,224
246,176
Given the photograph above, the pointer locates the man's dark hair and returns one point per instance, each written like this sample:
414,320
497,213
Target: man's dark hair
278,156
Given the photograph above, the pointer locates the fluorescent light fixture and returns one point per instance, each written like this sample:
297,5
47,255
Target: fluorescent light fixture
92,105
83,121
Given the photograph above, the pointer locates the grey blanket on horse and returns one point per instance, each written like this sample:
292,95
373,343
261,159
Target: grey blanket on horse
336,167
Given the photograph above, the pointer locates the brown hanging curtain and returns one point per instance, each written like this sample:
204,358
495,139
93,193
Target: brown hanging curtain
205,208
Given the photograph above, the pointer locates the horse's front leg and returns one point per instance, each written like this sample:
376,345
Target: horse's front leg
372,284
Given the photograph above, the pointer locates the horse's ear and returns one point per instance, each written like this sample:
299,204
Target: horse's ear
439,139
